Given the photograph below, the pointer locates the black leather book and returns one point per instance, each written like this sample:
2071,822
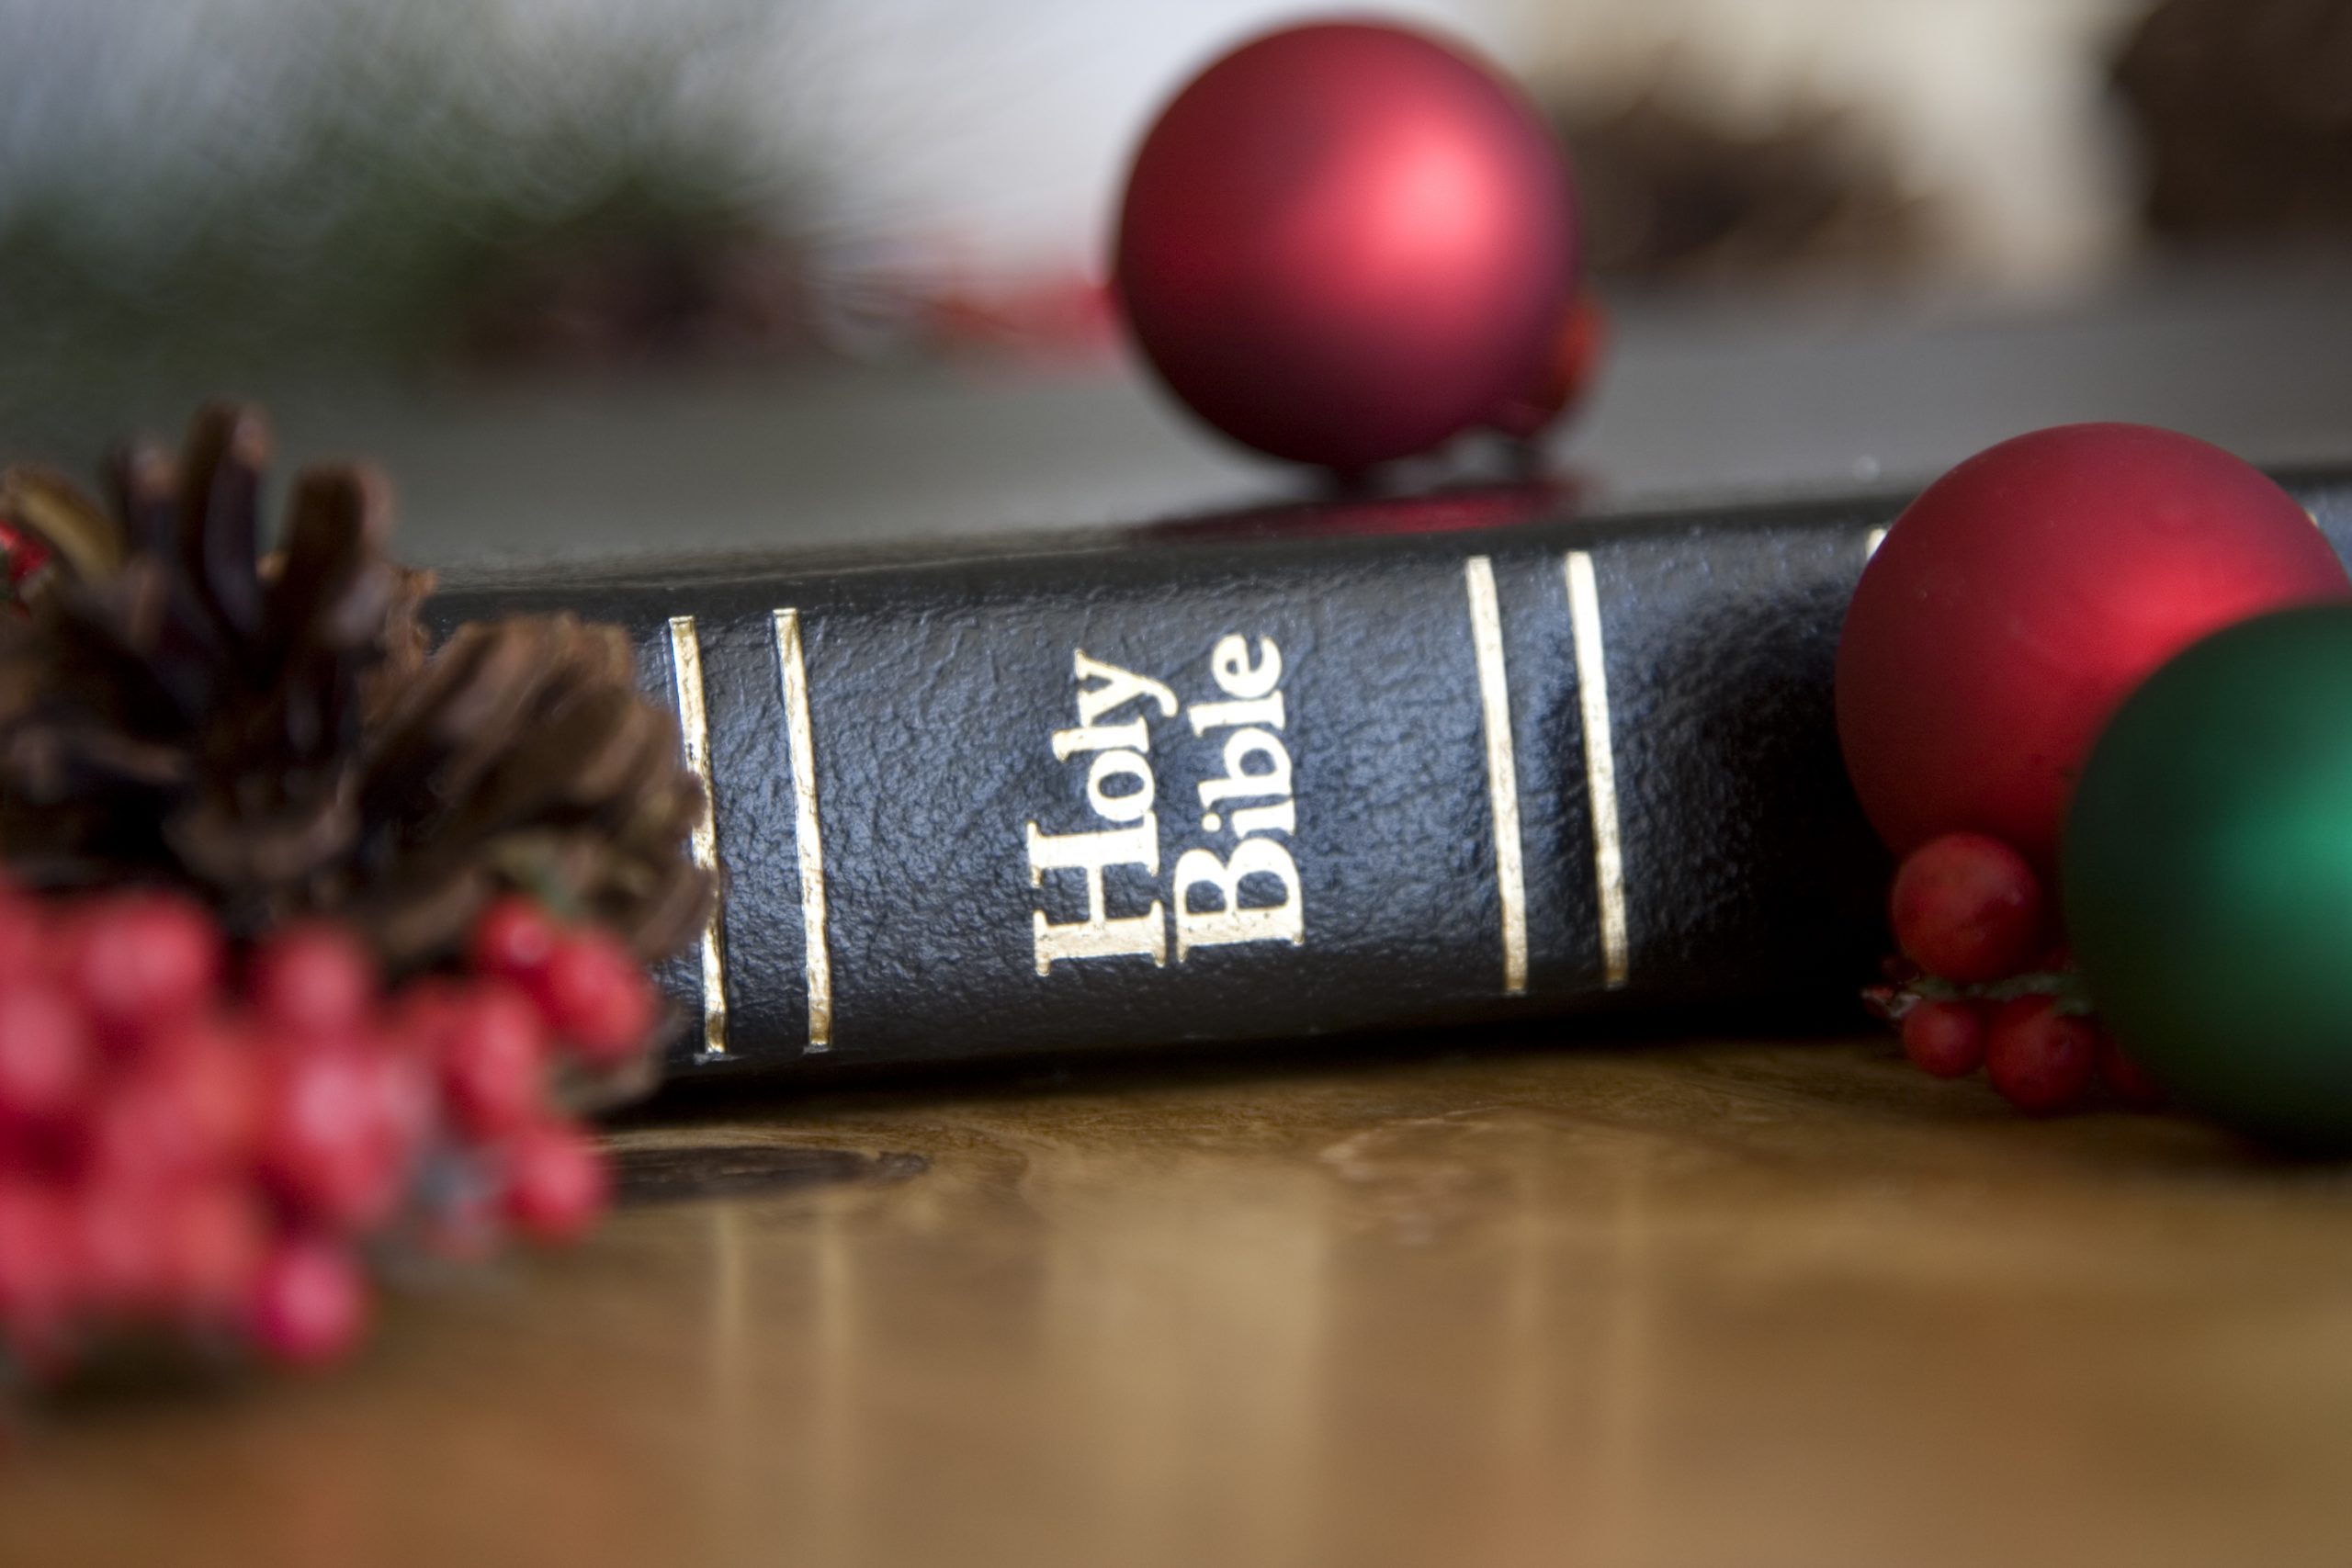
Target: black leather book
1343,767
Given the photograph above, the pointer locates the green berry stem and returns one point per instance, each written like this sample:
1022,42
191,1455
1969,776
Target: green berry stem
2064,987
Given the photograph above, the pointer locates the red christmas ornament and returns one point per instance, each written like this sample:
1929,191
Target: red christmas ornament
1346,242
2025,594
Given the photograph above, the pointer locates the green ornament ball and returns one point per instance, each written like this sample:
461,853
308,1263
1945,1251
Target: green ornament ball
2207,867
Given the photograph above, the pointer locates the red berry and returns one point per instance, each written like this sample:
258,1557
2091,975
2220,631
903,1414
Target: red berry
420,1014
216,1078
336,1138
28,939
23,554
514,939
309,1305
213,1238
596,997
316,979
38,1262
2126,1078
2040,1059
141,958
493,1058
1566,374
121,1263
404,1088
48,1060
556,1182
191,1107
1945,1039
1967,908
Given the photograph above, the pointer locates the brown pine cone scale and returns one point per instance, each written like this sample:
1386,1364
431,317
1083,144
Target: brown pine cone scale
274,734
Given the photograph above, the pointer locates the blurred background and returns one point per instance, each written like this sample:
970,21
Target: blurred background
580,269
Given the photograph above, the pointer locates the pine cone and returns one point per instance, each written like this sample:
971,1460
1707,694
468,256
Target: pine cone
272,734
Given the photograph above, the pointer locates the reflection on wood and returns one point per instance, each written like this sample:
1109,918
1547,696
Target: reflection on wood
1756,1304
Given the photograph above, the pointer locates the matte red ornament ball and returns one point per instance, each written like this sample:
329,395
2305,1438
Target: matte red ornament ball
1347,243
2024,594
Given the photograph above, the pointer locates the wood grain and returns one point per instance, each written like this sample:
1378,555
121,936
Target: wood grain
1739,1304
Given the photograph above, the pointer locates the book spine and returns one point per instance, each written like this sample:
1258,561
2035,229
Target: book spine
1189,788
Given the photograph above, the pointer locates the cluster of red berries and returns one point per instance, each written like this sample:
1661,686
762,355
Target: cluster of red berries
1980,983
210,1144
23,556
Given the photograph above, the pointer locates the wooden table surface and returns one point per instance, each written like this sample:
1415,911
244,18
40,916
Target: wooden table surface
1728,1304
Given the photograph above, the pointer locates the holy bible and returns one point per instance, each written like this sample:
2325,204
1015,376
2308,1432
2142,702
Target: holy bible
1357,766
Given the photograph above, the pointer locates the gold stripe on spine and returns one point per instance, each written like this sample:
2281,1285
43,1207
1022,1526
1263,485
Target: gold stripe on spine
806,834
1871,541
1600,767
1503,771
693,726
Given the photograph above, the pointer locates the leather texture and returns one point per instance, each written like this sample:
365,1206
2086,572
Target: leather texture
935,687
